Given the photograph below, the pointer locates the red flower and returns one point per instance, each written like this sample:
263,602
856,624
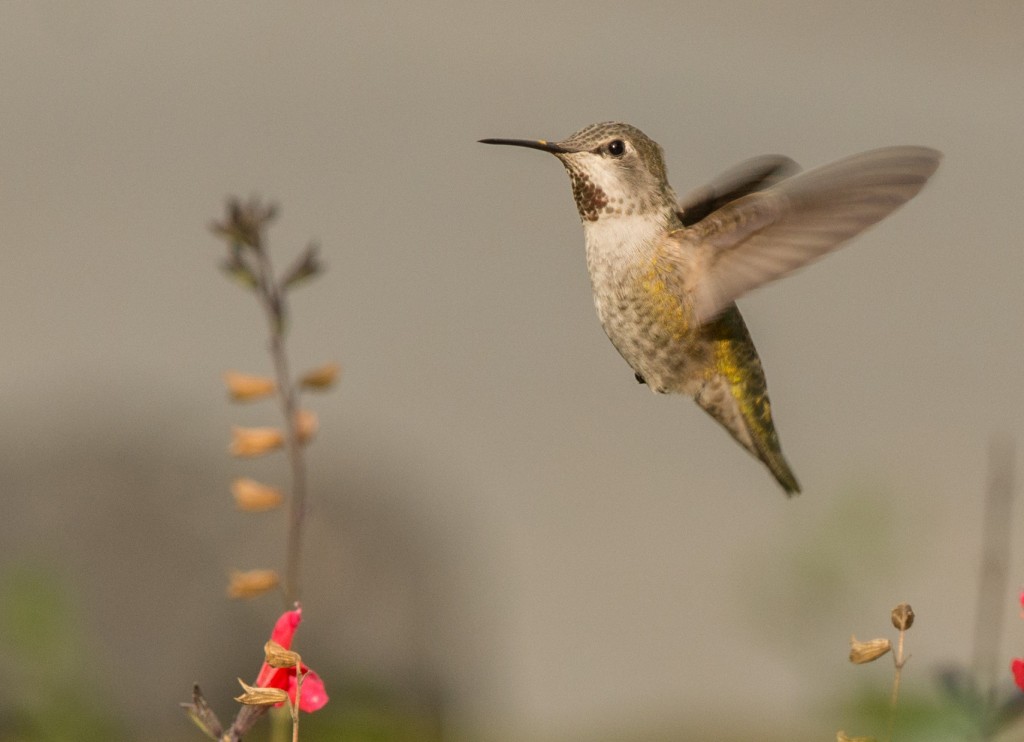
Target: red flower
1017,668
313,696
1017,664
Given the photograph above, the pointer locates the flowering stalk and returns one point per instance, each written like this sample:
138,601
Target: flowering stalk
283,678
249,262
272,299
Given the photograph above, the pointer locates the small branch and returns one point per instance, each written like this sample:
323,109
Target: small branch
245,719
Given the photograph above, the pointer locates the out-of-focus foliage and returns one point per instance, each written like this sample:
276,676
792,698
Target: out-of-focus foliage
52,694
357,715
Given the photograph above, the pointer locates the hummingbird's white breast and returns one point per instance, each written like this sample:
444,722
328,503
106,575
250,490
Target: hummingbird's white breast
640,297
619,248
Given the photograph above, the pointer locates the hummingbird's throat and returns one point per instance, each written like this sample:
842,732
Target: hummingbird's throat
590,199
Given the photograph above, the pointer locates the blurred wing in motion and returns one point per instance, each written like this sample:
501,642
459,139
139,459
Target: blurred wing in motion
768,234
751,175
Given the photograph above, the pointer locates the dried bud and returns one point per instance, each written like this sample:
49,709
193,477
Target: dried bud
255,441
261,696
841,737
244,387
251,584
903,616
307,266
869,651
306,425
236,266
322,377
202,715
277,656
245,222
255,497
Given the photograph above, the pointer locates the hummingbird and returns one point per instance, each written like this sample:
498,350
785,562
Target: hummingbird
666,272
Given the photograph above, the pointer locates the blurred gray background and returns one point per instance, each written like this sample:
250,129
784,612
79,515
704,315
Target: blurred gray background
506,527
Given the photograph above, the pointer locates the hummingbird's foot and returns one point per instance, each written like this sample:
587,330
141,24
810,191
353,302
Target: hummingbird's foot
639,378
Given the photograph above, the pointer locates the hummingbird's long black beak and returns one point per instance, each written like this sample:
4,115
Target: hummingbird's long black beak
540,144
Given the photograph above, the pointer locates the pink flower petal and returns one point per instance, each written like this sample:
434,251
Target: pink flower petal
314,695
284,629
283,633
270,677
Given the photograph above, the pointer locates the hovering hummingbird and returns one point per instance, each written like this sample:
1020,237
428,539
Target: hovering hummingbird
666,272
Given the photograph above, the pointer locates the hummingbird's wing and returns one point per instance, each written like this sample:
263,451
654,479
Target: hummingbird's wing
768,234
751,175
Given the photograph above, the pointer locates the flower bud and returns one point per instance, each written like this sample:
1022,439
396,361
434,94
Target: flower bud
254,497
245,387
244,222
903,616
869,651
305,267
322,377
236,267
202,715
261,696
246,442
306,425
252,583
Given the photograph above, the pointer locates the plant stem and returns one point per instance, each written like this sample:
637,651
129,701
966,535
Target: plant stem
297,463
272,299
898,661
993,575
296,710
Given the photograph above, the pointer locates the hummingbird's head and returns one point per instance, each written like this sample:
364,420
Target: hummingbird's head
615,170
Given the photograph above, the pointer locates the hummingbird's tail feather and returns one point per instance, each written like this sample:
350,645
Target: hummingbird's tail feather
735,393
779,468
750,425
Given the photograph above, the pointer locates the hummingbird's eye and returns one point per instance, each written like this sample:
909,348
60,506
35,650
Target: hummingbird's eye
616,148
